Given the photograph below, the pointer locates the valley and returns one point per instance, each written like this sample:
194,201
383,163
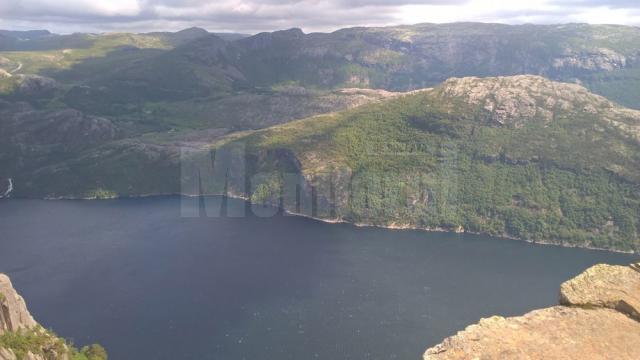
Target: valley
351,194
518,156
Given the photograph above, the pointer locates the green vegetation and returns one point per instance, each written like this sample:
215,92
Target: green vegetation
432,161
268,189
8,84
620,85
39,341
34,62
117,74
102,194
91,352
565,175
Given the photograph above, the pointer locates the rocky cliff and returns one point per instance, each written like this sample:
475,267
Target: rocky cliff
14,315
22,338
597,319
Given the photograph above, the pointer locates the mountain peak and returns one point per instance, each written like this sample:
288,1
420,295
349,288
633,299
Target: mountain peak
288,35
193,31
513,100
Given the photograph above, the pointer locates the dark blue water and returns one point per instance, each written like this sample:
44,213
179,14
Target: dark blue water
148,284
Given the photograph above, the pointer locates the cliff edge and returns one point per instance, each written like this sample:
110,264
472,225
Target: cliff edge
598,318
22,338
14,315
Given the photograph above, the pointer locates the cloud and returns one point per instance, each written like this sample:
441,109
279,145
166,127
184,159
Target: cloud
612,4
250,16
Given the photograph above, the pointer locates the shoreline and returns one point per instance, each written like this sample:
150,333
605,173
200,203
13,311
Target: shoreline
443,230
361,225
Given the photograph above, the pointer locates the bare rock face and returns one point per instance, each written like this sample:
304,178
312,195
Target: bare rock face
553,333
600,59
62,128
613,287
13,310
597,320
15,318
35,85
514,100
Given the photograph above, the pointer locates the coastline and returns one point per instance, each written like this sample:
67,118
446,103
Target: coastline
392,226
444,230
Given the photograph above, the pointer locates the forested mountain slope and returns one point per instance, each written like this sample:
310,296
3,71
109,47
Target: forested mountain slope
93,115
519,157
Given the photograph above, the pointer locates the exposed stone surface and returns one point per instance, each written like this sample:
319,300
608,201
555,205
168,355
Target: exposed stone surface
13,310
10,355
600,59
614,287
35,85
15,318
518,99
553,333
595,326
64,129
513,101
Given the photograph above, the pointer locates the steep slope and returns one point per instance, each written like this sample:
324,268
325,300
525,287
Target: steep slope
203,68
403,58
108,158
30,138
21,337
584,328
519,157
158,81
603,57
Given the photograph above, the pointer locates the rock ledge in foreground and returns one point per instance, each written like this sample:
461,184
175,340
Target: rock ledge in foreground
597,319
606,286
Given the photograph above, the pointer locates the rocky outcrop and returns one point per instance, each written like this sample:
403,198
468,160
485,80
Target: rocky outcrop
597,319
600,59
33,86
514,101
605,286
16,321
31,138
22,338
63,129
13,310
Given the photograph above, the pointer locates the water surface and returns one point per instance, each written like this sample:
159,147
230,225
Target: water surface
147,283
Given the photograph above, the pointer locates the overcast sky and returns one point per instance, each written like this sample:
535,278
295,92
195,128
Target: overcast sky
251,16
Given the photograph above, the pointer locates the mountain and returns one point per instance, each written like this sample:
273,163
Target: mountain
118,74
512,156
598,319
412,57
85,153
604,58
520,157
21,337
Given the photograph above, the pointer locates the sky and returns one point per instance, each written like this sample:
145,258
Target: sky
252,16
